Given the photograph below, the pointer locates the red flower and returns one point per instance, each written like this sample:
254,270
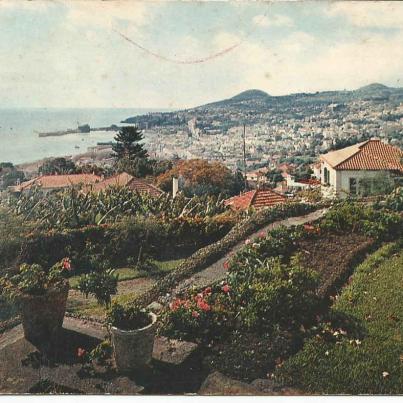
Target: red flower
80,352
226,288
177,303
195,314
66,264
207,291
226,265
203,305
262,235
247,241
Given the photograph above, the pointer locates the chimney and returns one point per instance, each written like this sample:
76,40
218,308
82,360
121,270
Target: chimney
175,186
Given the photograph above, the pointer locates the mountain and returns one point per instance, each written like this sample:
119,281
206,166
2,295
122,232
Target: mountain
378,91
256,102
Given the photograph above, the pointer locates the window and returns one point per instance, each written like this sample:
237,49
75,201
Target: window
353,186
326,176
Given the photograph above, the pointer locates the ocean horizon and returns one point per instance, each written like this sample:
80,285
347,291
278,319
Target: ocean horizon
19,129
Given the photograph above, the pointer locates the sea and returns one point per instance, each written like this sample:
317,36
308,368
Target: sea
19,127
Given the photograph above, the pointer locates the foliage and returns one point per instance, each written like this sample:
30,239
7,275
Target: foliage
130,154
34,280
338,359
277,295
270,296
274,176
200,177
9,175
303,172
72,208
127,317
101,284
57,166
394,201
366,220
214,251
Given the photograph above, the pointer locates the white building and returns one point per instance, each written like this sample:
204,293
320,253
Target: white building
362,169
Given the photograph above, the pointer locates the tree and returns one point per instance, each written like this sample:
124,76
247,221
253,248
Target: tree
303,172
274,176
130,154
58,165
202,177
9,175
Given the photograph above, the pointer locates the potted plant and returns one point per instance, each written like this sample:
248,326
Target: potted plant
41,297
133,333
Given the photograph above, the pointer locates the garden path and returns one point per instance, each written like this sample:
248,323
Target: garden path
217,272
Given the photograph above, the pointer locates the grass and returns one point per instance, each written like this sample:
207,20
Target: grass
130,273
91,309
371,363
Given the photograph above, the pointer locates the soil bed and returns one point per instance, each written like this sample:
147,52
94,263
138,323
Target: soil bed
333,256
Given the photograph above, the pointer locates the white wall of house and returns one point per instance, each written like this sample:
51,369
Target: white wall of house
339,181
344,179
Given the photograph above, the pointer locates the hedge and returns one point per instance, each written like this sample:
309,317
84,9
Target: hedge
208,255
112,242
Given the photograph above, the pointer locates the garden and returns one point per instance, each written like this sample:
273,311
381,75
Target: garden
279,295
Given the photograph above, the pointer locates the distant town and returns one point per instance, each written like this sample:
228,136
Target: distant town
294,128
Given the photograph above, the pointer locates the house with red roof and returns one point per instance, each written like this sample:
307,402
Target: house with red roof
125,180
257,199
361,169
48,183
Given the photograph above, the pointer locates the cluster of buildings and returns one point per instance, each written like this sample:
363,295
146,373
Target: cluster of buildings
273,136
363,169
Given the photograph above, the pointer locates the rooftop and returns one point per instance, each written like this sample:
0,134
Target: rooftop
124,179
58,181
258,198
371,155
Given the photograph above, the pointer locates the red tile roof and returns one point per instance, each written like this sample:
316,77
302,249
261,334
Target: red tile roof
310,181
124,179
255,198
371,155
58,181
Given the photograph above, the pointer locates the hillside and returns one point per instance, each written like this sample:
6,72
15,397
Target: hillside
255,101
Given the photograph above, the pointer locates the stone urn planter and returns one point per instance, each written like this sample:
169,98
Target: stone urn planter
133,348
42,315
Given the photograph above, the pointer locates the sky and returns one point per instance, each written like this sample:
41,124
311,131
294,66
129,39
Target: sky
178,54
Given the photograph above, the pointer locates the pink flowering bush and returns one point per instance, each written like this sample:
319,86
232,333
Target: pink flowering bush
34,280
200,315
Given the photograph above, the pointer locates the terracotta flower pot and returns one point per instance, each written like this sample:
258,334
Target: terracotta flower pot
133,348
42,315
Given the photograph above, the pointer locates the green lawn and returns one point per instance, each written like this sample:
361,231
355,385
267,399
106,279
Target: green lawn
368,360
129,273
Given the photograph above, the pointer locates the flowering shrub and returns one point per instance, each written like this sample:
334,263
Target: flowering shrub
200,315
272,295
34,280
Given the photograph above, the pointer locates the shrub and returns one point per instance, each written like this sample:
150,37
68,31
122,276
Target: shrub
275,294
211,253
199,316
358,218
101,284
127,317
34,280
